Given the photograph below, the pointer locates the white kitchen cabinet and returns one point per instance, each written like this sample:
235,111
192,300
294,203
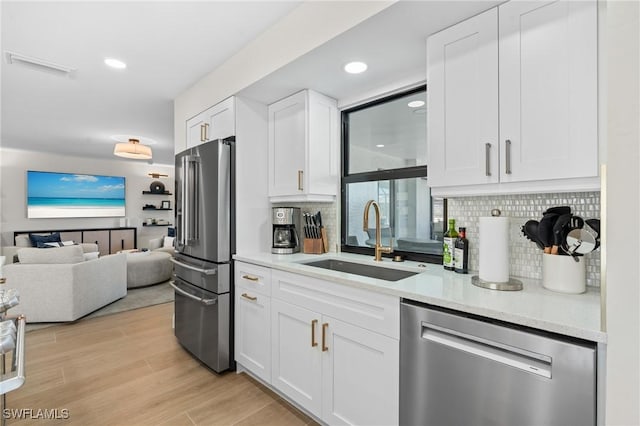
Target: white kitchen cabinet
462,94
296,355
335,349
525,121
217,122
253,319
359,376
303,148
548,90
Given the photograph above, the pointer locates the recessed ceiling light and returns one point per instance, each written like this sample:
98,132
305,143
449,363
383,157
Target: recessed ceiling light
355,67
380,145
115,63
415,104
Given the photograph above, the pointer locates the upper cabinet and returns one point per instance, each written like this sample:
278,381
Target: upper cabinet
526,121
217,122
303,147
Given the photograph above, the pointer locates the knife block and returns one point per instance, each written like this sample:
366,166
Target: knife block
313,246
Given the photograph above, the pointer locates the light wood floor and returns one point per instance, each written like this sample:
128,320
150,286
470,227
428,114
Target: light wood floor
128,369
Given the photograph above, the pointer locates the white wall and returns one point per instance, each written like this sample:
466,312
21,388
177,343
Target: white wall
621,213
13,214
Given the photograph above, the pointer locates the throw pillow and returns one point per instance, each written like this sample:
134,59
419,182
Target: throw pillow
155,243
69,254
168,242
54,237
91,255
23,240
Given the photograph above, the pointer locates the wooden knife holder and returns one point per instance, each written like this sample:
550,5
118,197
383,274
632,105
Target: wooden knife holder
316,245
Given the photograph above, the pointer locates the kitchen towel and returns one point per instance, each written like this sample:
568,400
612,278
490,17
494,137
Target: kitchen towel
494,249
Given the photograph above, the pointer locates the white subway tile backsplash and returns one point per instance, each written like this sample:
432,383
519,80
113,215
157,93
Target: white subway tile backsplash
525,258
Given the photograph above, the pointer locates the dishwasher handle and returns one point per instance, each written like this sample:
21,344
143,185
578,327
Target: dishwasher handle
494,351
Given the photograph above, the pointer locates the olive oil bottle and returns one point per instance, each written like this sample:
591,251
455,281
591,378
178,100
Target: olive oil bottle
448,246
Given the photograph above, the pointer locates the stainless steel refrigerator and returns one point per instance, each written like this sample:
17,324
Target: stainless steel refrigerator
205,242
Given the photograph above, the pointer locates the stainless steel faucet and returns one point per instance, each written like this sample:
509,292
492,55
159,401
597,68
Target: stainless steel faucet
365,225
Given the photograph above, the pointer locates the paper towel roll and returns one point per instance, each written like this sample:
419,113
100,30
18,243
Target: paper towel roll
493,249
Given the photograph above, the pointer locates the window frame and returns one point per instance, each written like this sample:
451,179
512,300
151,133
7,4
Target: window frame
373,176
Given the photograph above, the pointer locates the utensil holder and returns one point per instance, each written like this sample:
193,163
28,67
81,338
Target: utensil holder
563,274
313,246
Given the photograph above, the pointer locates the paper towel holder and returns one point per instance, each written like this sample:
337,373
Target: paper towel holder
511,285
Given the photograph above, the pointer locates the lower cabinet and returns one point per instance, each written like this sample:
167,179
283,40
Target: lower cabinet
334,349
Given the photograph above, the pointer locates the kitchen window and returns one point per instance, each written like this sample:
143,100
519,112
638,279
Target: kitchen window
384,151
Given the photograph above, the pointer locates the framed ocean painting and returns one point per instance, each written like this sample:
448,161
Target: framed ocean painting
62,195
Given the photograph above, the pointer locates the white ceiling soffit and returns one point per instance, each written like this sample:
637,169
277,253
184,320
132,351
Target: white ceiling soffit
167,46
392,43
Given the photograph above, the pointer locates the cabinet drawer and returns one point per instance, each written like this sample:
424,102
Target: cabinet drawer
254,277
373,311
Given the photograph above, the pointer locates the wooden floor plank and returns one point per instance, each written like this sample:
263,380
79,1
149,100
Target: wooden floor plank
129,369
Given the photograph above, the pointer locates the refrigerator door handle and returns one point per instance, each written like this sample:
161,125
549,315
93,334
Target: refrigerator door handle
184,223
206,302
193,268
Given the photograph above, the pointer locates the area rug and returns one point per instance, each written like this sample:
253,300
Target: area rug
140,297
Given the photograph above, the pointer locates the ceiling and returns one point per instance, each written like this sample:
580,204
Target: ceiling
168,46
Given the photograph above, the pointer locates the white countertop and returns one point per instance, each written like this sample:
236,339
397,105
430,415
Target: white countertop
533,306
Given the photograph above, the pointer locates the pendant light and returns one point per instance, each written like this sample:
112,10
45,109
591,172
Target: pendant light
132,149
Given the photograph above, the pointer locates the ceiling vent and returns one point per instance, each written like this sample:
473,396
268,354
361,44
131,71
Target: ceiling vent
37,63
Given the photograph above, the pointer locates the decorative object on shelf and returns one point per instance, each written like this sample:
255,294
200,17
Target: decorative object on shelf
157,187
157,175
133,149
166,204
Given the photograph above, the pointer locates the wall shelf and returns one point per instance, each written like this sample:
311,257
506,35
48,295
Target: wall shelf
154,208
156,224
157,193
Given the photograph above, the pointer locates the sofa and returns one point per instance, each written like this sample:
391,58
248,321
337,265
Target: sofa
57,284
23,241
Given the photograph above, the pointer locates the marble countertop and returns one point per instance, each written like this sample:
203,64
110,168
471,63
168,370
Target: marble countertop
534,306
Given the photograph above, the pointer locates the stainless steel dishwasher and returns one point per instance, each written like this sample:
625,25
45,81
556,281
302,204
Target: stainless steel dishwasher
459,369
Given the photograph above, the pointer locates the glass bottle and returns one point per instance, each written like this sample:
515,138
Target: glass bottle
461,252
448,246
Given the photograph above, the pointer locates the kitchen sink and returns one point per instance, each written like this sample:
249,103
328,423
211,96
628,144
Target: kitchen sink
378,272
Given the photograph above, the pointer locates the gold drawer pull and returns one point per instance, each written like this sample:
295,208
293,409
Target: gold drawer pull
324,337
246,296
313,333
250,278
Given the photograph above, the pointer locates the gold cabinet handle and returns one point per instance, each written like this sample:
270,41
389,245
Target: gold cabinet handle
246,296
206,132
324,337
202,133
313,333
300,172
250,278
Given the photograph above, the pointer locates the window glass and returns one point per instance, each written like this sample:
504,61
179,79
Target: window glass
408,214
389,135
384,146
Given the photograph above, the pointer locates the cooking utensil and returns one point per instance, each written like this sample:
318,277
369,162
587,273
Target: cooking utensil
594,225
559,231
579,242
545,230
530,231
559,210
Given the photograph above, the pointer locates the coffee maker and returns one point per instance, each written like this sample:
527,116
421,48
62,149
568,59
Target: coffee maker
286,225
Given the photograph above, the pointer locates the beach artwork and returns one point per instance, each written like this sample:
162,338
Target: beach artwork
58,195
